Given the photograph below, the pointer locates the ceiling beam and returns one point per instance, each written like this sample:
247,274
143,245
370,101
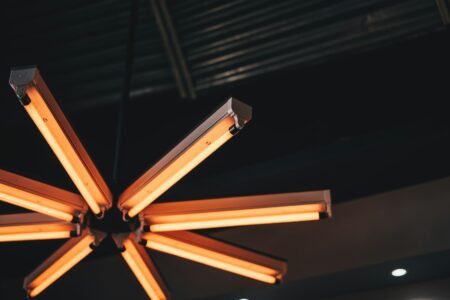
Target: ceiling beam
444,11
173,49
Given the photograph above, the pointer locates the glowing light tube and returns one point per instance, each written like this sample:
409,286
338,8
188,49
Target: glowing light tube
237,211
45,112
41,197
217,254
65,258
141,265
34,226
196,147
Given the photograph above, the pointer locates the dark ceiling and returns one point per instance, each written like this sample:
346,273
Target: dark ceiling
347,95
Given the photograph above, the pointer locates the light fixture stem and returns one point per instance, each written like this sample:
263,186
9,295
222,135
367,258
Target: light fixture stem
126,85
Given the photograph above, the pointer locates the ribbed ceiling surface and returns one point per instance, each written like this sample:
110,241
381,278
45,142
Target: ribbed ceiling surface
229,41
81,46
358,124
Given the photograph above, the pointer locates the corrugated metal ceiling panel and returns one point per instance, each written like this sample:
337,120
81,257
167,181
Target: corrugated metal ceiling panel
81,45
225,42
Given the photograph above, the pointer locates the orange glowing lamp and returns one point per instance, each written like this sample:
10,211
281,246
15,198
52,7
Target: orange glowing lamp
141,265
65,258
34,226
217,254
41,197
62,214
237,211
191,151
45,112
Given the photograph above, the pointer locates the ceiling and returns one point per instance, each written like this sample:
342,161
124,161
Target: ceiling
346,95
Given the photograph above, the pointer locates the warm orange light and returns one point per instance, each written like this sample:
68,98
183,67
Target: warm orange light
69,157
143,268
34,226
53,125
161,225
204,224
237,211
178,168
40,197
217,254
59,263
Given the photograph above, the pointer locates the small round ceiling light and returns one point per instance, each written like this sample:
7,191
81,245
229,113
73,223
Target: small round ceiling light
399,272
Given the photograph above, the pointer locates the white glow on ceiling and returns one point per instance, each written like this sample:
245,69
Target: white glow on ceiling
399,272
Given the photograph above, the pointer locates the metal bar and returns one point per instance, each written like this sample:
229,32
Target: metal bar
179,53
443,8
169,50
173,49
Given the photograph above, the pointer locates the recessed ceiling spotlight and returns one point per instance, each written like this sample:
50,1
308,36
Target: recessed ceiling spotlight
399,272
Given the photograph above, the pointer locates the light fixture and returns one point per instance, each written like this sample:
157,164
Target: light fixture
45,112
399,272
237,211
217,254
34,226
141,265
41,197
65,258
161,226
191,151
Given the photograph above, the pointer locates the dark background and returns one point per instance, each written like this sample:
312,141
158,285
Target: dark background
346,96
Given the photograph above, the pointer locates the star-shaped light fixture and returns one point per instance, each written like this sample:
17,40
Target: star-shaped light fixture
60,214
